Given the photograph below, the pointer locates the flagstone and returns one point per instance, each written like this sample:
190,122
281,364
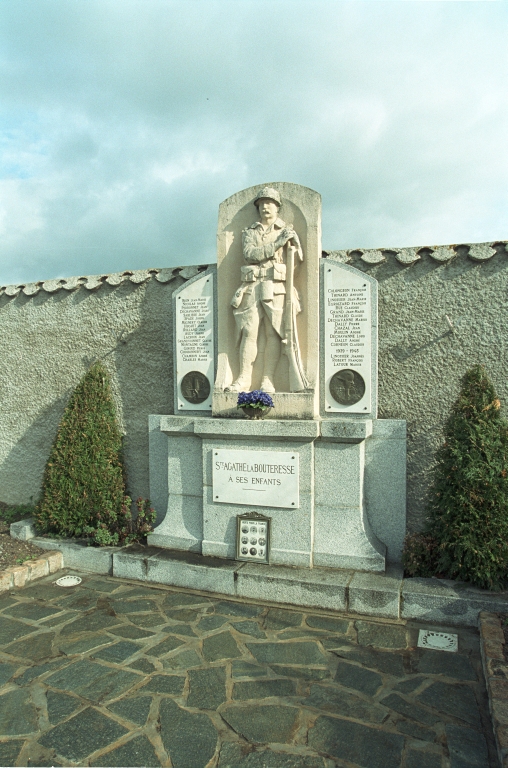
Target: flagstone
287,653
60,706
444,663
130,632
340,702
117,652
83,734
9,751
358,678
261,723
262,689
327,622
364,746
17,713
31,611
173,684
165,646
135,709
248,628
455,700
6,671
136,752
221,646
34,648
238,609
92,622
10,630
278,618
190,739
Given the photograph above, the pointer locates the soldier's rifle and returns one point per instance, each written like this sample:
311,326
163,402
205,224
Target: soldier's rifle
297,379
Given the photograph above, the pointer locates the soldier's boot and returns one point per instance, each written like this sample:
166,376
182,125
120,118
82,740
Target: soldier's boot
248,351
242,384
271,358
267,384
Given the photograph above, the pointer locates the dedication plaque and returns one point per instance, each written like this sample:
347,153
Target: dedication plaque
258,478
348,340
194,345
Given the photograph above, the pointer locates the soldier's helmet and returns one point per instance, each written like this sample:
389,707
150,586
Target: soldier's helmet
270,193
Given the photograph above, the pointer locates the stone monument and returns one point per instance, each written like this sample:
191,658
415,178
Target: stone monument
322,473
268,251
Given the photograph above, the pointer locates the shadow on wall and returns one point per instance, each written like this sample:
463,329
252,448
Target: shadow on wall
50,340
142,361
22,470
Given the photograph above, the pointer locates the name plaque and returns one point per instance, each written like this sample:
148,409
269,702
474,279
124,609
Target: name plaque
194,345
258,478
348,340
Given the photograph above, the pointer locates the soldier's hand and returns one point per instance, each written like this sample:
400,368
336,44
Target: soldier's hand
285,236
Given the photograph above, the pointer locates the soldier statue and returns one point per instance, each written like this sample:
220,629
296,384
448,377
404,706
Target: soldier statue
267,299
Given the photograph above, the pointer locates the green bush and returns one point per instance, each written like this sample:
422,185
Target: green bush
123,529
469,498
420,555
83,488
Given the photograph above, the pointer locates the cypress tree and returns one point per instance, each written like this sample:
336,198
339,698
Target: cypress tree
83,488
469,497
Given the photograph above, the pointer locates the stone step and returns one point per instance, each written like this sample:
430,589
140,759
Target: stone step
387,595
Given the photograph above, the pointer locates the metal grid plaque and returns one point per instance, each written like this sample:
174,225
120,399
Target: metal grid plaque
253,537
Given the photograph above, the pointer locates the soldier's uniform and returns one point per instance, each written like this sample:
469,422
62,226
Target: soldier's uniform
260,297
263,280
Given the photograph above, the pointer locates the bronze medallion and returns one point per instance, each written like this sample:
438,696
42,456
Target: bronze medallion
195,387
347,387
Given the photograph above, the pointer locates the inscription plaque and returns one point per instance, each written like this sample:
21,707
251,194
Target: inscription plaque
348,340
258,478
194,345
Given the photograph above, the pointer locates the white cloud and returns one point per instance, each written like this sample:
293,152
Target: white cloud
127,122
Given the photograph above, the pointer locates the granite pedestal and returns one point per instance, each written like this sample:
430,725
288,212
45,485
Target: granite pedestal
348,516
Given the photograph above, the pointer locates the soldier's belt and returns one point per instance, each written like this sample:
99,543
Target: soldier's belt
252,273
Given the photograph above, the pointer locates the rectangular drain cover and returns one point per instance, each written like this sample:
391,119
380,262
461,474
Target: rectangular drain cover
438,641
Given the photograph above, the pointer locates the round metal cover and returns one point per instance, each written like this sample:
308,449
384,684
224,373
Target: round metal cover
347,387
195,387
68,581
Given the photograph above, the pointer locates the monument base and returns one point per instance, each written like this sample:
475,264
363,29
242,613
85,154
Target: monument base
349,513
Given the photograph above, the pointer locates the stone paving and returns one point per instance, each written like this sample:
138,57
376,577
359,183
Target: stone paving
116,673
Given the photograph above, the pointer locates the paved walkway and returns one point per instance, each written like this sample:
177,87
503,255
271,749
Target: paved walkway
114,673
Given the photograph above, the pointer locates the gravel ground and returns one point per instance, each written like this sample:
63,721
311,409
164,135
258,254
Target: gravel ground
12,551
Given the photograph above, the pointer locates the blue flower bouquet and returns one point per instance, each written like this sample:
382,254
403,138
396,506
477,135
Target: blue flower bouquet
255,404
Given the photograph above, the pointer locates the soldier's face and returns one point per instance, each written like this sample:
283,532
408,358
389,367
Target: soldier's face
267,209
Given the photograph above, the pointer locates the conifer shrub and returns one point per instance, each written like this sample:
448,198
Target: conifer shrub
468,514
420,555
83,488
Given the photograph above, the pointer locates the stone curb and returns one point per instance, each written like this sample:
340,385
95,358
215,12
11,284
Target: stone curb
387,596
495,670
20,575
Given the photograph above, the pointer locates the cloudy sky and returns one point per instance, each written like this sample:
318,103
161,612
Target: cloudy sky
126,122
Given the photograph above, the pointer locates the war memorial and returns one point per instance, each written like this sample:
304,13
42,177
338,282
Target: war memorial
274,316
281,409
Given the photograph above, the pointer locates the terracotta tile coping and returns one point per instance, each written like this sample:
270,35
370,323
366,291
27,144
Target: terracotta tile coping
495,669
19,575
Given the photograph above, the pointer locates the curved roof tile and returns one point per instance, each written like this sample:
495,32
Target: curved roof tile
369,256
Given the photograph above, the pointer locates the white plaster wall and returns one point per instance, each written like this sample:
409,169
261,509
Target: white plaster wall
48,341
421,362
51,332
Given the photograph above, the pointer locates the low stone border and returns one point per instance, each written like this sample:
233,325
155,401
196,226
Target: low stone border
385,596
19,575
495,670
